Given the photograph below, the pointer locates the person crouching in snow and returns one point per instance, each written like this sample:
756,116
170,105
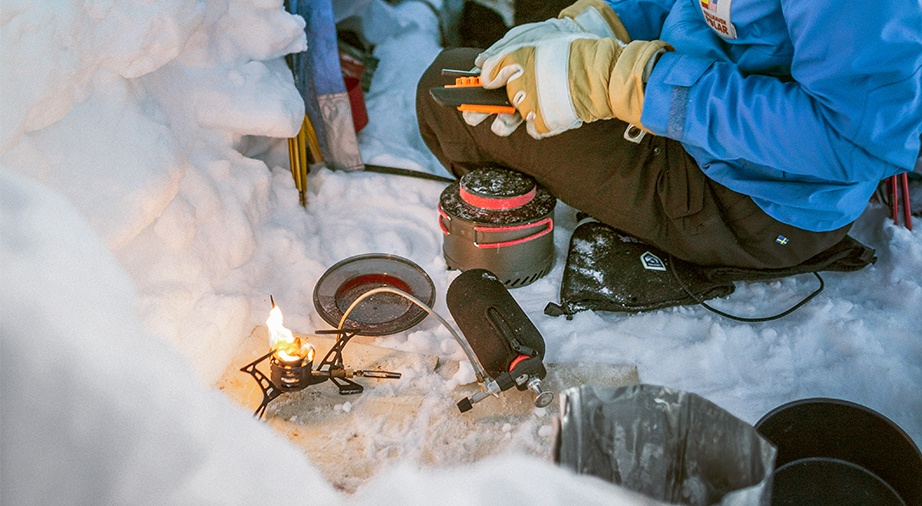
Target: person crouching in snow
725,132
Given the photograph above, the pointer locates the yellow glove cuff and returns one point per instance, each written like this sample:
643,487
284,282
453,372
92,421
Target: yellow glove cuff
626,86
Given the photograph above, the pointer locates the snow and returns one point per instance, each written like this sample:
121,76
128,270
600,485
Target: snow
148,214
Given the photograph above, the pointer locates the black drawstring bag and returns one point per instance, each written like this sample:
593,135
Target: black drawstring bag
609,271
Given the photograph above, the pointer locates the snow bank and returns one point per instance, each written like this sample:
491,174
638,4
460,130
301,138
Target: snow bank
134,112
96,410
148,214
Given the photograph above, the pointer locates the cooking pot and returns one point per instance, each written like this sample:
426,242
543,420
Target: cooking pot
499,220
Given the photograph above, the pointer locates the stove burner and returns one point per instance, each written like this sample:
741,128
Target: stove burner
294,375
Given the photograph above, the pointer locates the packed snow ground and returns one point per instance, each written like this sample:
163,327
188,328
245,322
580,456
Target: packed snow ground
147,213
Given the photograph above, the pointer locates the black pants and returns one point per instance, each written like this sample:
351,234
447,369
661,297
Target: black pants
652,190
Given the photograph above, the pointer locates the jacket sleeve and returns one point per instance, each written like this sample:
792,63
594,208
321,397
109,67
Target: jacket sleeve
643,19
852,110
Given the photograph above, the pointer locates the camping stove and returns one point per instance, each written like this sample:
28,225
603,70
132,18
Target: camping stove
291,362
499,220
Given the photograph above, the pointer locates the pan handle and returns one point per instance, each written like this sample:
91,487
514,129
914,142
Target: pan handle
442,217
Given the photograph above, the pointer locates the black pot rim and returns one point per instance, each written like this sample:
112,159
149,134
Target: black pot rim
825,427
839,402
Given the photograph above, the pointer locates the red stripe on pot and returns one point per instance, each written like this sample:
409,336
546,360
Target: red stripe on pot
547,223
497,204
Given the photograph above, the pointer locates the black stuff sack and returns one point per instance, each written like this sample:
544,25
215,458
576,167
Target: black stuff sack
607,270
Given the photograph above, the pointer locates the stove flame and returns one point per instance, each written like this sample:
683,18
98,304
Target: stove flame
287,347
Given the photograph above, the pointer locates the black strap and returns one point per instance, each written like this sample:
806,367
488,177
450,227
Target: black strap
793,308
407,172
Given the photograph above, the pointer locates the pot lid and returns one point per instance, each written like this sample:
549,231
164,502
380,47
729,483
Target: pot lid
497,189
381,313
496,195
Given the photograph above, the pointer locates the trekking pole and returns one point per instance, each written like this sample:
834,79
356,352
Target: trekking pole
899,188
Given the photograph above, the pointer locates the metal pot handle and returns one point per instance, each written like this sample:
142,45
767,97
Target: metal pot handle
442,217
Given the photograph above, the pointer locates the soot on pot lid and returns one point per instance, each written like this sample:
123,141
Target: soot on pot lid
496,195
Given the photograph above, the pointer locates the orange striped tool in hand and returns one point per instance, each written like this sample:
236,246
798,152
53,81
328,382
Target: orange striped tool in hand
469,95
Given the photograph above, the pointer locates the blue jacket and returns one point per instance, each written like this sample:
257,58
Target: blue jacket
805,105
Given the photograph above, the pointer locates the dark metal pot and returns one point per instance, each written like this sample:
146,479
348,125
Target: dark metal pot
499,220
835,452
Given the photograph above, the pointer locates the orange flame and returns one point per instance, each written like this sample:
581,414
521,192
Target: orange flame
287,347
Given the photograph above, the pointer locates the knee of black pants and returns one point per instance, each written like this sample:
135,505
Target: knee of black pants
455,58
442,127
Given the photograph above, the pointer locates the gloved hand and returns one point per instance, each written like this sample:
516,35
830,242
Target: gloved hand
518,37
585,18
580,80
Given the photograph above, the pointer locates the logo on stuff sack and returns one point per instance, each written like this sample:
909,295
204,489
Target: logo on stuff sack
652,262
717,15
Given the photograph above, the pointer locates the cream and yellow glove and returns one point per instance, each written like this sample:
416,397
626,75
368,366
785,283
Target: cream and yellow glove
558,84
585,18
596,16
